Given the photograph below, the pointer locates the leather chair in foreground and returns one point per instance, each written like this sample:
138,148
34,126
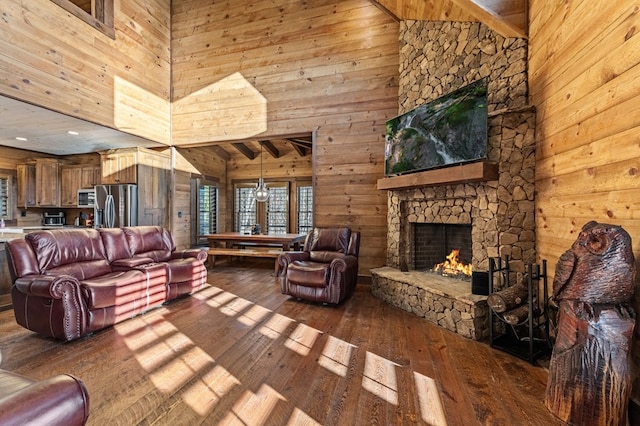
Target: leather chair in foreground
58,400
326,270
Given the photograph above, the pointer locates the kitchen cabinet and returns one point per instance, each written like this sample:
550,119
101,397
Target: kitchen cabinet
26,185
119,166
91,176
47,182
150,170
74,177
70,177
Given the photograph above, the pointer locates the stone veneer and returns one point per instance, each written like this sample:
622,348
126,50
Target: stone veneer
437,58
443,301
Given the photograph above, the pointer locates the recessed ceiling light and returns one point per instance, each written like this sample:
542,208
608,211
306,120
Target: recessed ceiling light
20,138
71,132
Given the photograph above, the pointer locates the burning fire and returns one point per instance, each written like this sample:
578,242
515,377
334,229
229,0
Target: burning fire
452,266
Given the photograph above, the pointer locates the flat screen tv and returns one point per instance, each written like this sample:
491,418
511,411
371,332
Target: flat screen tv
446,131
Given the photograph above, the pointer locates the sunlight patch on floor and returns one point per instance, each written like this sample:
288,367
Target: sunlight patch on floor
379,377
302,339
300,418
220,299
254,315
235,307
203,395
336,355
253,409
431,409
275,326
178,371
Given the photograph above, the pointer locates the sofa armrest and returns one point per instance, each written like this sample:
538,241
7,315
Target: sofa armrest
200,254
287,257
59,400
50,286
51,305
130,263
344,263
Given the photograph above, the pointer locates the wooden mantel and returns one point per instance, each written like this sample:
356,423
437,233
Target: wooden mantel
473,172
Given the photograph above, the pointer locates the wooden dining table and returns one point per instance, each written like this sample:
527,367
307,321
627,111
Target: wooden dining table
229,239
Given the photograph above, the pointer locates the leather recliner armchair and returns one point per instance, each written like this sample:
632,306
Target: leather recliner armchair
326,270
57,400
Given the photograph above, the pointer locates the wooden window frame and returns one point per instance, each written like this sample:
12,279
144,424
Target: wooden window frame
101,18
292,183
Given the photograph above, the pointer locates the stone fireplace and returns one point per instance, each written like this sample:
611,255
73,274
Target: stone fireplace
494,199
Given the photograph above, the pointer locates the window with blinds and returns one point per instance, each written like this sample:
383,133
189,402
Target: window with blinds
245,208
5,197
304,209
288,209
207,209
277,210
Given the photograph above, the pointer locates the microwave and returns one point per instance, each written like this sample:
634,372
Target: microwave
53,219
86,198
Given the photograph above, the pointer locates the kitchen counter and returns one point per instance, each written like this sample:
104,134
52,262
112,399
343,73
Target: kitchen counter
14,232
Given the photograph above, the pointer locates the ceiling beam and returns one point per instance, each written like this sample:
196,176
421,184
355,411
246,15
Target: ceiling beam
220,152
491,18
244,150
301,146
271,149
506,17
302,152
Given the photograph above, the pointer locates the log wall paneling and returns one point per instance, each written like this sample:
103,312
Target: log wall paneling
291,67
584,71
51,58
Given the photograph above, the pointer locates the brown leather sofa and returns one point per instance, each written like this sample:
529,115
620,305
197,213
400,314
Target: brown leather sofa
326,270
71,282
58,400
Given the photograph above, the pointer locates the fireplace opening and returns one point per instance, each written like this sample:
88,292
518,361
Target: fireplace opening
434,242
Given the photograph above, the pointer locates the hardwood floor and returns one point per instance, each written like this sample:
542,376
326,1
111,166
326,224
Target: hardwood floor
239,352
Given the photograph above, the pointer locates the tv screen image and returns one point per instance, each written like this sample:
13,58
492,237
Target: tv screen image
446,131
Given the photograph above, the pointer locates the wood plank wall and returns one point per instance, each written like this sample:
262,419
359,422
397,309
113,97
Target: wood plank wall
296,67
53,59
584,65
584,82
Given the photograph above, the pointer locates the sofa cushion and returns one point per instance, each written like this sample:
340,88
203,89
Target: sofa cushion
310,274
330,239
187,269
67,247
120,287
153,242
115,243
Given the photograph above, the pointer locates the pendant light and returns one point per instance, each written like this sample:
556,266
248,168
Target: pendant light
261,193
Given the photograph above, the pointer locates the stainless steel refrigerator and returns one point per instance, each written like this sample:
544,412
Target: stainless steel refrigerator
115,206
